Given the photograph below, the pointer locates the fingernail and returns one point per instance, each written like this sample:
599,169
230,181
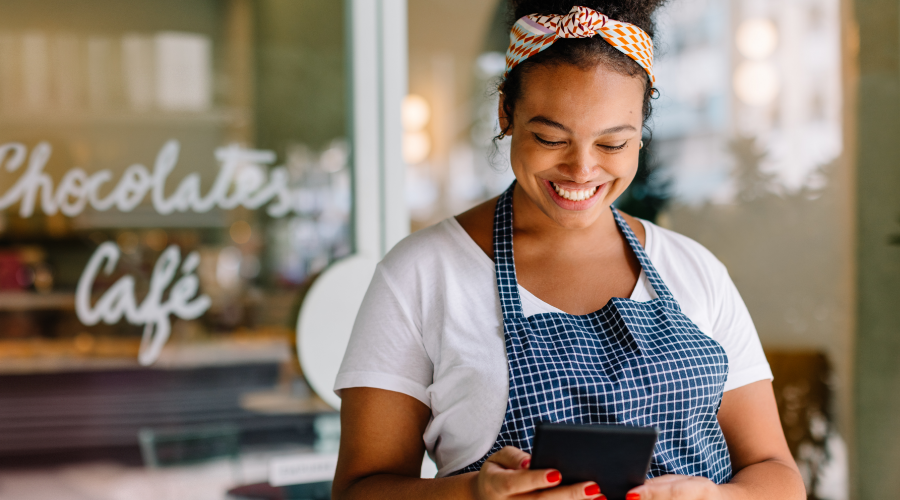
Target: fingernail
633,496
592,490
526,463
554,476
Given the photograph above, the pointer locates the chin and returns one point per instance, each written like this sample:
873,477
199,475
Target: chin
576,220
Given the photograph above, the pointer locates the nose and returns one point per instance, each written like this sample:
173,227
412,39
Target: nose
581,165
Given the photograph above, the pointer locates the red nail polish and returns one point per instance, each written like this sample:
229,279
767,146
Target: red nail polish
526,463
554,476
633,496
592,490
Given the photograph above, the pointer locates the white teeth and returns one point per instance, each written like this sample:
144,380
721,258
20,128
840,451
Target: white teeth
574,195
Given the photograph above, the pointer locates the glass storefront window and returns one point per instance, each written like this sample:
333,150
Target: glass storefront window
749,145
173,175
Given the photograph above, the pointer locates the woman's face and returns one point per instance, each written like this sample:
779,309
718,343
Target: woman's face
576,135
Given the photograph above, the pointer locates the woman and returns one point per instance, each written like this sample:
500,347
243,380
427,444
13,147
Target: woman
548,304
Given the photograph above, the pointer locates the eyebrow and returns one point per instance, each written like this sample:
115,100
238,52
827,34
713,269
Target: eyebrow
543,120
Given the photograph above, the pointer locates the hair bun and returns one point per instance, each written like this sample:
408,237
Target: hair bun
636,12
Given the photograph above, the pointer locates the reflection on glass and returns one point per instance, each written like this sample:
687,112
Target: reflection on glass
756,38
457,77
173,175
756,83
748,130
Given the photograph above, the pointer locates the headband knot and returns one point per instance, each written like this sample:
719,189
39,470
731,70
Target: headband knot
579,23
536,32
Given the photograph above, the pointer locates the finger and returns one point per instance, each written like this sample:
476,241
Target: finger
654,488
667,478
640,493
646,492
672,488
650,490
510,457
579,491
517,482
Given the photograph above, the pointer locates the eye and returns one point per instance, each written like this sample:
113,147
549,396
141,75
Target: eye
614,148
546,142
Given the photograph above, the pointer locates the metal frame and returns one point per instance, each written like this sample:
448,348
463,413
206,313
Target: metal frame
377,69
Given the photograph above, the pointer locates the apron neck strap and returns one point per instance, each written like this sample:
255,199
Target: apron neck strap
504,264
659,286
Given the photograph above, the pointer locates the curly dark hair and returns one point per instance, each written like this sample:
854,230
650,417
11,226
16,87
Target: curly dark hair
581,52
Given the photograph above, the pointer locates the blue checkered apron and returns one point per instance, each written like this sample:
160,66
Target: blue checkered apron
630,363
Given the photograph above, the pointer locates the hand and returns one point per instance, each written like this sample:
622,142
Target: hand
676,487
505,475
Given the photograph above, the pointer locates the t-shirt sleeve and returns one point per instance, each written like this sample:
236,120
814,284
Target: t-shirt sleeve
386,350
734,329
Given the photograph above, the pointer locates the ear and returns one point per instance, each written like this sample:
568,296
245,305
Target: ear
505,122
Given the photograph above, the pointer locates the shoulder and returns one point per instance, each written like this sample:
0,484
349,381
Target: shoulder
689,269
478,222
412,270
423,245
678,247
432,253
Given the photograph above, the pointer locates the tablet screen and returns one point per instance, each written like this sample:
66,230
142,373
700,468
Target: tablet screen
616,457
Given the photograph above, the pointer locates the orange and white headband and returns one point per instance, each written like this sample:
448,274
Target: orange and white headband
532,34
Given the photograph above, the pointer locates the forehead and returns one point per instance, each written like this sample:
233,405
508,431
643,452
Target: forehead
592,97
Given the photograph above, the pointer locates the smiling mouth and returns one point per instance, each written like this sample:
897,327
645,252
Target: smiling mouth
574,194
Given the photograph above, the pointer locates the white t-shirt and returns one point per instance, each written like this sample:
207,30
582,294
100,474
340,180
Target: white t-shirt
430,326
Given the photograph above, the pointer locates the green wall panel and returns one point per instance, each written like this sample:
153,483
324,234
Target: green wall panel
878,194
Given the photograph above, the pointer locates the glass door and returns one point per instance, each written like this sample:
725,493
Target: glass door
174,175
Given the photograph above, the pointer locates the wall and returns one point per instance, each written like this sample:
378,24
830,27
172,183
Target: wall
878,245
765,184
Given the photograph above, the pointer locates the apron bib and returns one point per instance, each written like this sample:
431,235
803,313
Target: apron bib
630,363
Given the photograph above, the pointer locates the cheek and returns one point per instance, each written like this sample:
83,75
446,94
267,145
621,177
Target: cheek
627,167
527,157
624,168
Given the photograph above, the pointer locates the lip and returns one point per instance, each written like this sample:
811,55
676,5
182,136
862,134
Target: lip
575,205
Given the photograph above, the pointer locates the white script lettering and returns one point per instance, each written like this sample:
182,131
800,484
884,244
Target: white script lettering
245,178
119,301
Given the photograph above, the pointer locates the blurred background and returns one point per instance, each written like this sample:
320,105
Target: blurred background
774,144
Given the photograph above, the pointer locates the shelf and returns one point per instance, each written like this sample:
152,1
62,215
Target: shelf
31,301
61,355
277,402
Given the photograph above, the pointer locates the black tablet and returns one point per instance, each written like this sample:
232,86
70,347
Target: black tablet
616,457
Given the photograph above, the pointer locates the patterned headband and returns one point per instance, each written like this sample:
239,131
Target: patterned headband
532,34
